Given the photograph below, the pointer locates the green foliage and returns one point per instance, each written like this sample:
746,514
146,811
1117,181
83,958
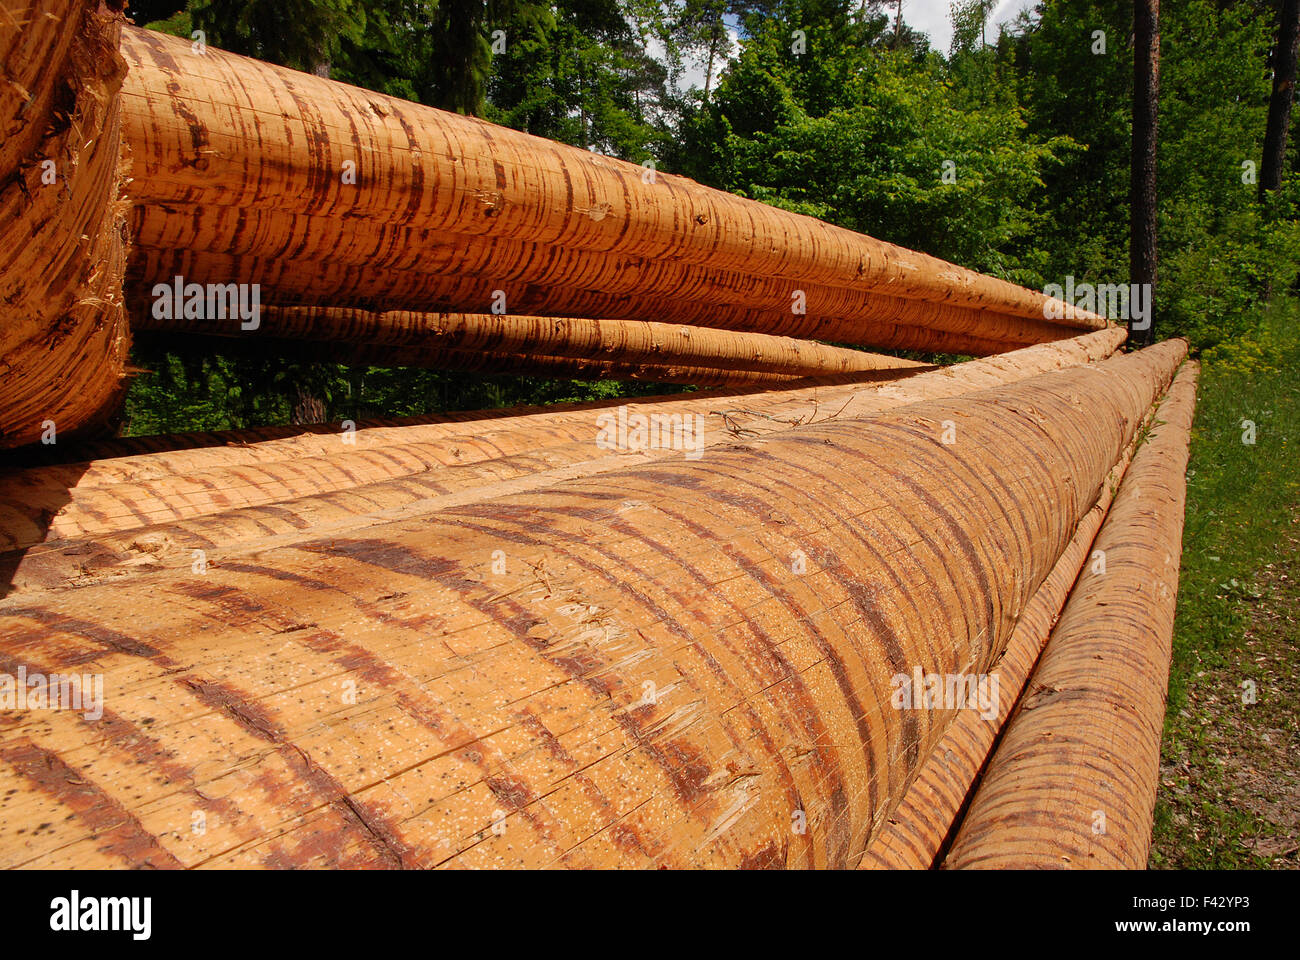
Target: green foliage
1242,503
1070,91
873,140
178,391
1220,250
970,24
303,34
179,24
583,77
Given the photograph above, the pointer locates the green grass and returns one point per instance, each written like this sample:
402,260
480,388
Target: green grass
1222,801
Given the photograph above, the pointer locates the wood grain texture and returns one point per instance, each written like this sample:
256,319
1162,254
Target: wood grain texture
627,342
333,260
220,131
930,812
470,361
63,334
386,699
179,451
316,283
1073,782
260,488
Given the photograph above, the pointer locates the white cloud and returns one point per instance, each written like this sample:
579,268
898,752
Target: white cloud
933,17
692,77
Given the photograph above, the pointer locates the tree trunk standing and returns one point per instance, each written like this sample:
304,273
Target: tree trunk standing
898,24
1142,183
307,407
713,49
460,62
582,107
1285,54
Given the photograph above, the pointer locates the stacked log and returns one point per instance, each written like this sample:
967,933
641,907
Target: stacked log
929,814
633,341
63,331
252,489
663,632
344,197
624,669
524,346
780,308
1073,782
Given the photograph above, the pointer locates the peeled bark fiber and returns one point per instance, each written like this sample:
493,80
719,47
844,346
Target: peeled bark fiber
599,341
63,333
1073,782
647,684
464,271
35,51
926,819
117,515
315,283
190,122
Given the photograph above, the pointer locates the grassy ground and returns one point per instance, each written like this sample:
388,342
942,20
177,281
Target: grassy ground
1230,770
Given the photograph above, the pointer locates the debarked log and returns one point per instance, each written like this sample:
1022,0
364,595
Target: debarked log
315,283
926,820
1073,782
123,459
630,342
218,130
260,487
63,332
686,663
345,254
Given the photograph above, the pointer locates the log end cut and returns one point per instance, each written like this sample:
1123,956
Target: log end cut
63,328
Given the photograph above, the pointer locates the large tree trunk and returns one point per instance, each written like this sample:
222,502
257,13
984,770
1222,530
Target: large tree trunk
306,406
1083,750
132,484
490,362
398,267
1285,54
713,51
923,823
1142,186
492,182
717,694
63,331
98,509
